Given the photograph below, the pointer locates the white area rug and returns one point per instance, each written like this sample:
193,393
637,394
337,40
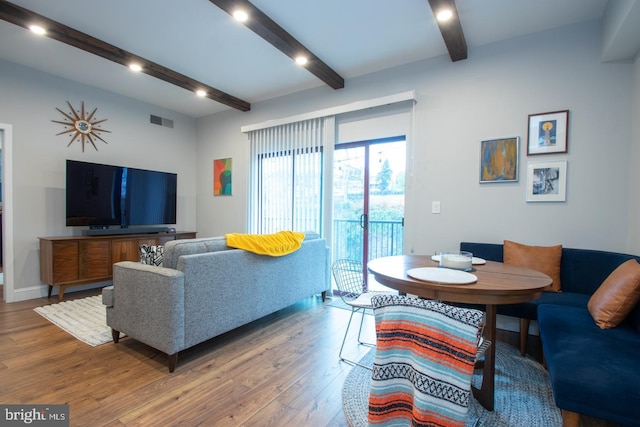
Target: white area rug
85,319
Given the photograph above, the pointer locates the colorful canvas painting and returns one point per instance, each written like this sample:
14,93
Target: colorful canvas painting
499,160
222,177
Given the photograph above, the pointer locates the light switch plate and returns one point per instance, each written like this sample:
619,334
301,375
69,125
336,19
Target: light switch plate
435,207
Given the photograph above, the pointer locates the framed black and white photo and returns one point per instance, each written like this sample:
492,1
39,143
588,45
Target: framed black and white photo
548,133
547,181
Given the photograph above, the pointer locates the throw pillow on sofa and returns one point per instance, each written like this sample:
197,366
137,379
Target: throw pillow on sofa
616,296
151,254
545,259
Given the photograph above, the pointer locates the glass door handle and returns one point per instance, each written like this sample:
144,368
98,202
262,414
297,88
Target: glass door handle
364,221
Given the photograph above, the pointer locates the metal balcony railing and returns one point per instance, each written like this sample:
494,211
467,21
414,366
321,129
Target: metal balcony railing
385,239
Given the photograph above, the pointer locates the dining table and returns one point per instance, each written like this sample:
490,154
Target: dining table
496,283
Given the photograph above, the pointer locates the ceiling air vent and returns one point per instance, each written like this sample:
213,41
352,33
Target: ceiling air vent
161,121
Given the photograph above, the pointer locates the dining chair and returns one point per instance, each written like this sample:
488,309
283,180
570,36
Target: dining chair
424,361
349,278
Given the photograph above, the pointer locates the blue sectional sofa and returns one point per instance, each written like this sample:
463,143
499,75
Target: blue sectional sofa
593,371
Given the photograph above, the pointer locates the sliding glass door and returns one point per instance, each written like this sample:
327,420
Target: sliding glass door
368,194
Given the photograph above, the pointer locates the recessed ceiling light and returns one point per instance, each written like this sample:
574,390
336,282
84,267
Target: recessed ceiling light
38,29
301,60
240,15
201,93
135,67
444,15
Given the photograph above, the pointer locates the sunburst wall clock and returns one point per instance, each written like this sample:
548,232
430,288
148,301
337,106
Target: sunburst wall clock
81,126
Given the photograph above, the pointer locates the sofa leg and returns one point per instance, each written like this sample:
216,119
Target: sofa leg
570,419
524,335
173,361
115,335
324,296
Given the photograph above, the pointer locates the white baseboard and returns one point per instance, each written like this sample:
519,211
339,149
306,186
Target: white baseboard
31,292
508,323
40,291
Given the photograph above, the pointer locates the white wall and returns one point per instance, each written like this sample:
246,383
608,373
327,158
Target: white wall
29,101
459,104
219,138
634,177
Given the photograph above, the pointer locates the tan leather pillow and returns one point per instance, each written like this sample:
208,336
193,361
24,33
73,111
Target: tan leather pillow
545,259
616,296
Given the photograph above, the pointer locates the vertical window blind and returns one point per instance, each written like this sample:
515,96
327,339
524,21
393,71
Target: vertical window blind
286,177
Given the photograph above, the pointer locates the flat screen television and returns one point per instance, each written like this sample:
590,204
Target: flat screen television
100,196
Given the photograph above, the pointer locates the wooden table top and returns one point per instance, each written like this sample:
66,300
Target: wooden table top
497,283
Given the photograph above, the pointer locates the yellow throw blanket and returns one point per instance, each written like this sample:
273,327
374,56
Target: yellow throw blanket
277,244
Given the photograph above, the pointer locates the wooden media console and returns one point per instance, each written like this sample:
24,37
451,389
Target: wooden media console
79,260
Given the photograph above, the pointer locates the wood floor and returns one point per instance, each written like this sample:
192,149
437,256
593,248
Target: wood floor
282,370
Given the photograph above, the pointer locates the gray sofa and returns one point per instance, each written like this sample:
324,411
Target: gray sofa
205,288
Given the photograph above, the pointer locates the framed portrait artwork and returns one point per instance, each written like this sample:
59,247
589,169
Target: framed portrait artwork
499,160
548,133
547,181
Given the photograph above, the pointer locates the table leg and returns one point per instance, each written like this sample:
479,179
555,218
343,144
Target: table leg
485,394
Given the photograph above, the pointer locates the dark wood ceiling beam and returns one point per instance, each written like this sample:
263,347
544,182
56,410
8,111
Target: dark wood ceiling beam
451,30
269,30
55,30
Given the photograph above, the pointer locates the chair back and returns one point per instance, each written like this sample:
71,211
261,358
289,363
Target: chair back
349,278
424,362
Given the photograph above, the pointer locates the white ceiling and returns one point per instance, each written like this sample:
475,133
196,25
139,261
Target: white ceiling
199,40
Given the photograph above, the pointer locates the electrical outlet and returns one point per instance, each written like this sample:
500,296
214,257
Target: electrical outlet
435,207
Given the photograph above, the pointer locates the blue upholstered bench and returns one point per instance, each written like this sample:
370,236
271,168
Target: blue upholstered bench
593,371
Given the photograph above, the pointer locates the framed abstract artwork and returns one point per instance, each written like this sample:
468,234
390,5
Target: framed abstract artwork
499,160
222,177
547,181
548,133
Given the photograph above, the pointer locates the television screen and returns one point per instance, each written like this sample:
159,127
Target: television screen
149,197
100,195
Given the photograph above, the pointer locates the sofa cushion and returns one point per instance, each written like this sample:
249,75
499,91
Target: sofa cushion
584,270
545,259
617,295
488,251
311,235
593,371
174,249
529,309
217,244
